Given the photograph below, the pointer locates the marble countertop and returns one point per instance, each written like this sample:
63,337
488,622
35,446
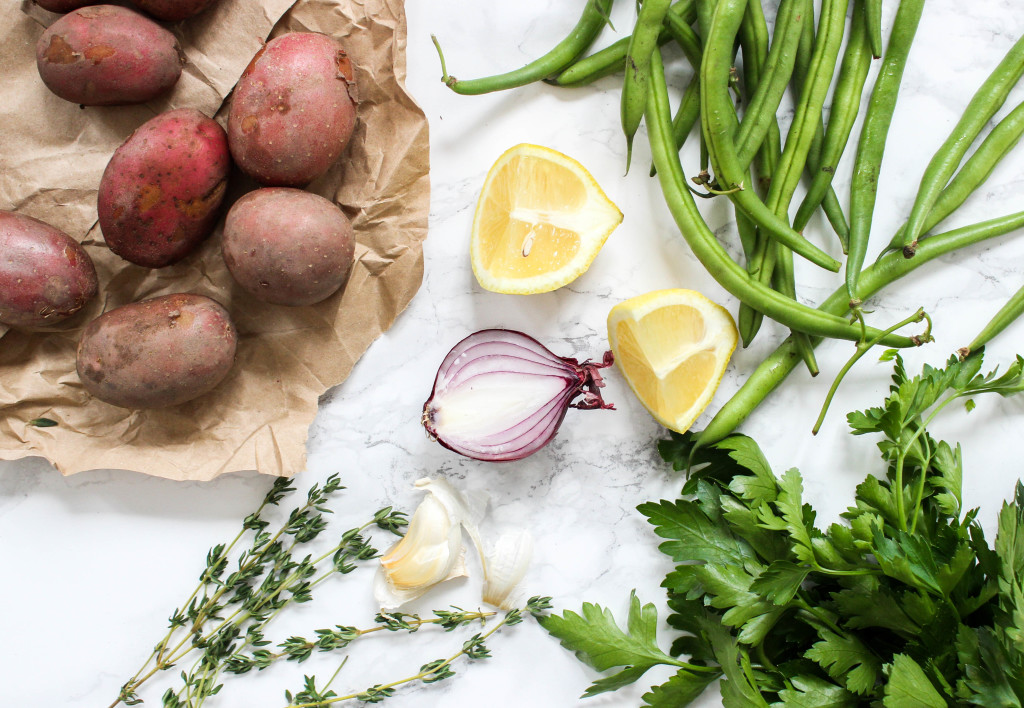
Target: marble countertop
94,564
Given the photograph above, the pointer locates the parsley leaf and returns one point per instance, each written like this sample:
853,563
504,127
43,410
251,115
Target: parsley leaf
599,642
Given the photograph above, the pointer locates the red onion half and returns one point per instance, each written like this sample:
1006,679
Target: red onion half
500,395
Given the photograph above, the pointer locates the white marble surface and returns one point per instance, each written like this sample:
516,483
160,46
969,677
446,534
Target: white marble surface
93,564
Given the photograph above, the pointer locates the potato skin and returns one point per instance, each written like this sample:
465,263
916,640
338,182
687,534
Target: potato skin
172,10
161,192
158,352
292,112
107,55
287,246
45,275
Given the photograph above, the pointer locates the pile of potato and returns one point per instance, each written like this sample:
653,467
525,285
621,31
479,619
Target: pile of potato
291,117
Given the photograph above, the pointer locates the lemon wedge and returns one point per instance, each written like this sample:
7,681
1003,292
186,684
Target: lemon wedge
539,223
672,346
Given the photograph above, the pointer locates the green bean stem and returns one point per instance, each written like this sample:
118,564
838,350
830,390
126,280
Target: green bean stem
707,249
642,46
845,105
1007,314
873,17
871,145
891,267
983,105
718,122
591,22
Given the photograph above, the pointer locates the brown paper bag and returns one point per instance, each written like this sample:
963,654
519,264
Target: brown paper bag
52,154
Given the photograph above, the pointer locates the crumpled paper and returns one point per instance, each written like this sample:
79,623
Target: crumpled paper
52,154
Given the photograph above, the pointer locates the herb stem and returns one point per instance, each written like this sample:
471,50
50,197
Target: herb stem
422,674
862,348
917,434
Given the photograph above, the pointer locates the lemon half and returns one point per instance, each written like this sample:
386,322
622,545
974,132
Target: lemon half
673,347
539,223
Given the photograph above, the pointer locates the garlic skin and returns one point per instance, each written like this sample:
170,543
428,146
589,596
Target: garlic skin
432,550
504,568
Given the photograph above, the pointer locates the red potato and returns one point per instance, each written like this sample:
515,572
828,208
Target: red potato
288,247
45,275
172,10
292,112
158,352
107,55
161,191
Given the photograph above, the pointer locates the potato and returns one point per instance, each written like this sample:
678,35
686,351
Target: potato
158,352
45,275
172,10
292,112
161,191
108,55
288,247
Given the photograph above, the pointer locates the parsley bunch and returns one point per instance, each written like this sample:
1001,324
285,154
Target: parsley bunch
903,605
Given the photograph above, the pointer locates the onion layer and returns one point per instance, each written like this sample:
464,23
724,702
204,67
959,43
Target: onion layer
501,395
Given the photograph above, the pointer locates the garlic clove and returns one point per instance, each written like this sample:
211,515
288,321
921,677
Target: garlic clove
505,567
432,549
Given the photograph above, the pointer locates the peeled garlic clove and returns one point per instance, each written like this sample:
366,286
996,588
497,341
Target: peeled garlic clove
431,550
505,567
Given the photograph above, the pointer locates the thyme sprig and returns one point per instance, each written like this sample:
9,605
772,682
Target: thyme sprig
299,649
474,648
228,612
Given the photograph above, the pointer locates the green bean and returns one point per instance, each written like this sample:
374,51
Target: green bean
754,42
717,121
748,233
679,30
830,204
842,115
707,249
778,68
705,11
687,114
871,145
812,99
1002,138
642,46
754,45
873,17
602,63
774,369
834,213
983,105
593,19
1007,314
762,264
611,60
785,282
